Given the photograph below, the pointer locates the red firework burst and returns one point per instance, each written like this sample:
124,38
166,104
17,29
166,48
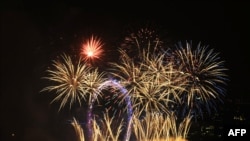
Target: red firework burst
92,49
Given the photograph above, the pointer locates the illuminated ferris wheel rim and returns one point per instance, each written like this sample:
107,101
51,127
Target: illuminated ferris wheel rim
116,84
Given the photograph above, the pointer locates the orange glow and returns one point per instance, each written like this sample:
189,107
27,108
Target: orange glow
90,53
92,49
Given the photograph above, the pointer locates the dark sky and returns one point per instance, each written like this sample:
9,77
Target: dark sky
32,34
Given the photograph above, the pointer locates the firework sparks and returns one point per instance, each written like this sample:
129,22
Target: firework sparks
149,76
205,76
67,79
71,82
156,127
153,83
78,129
94,79
107,129
146,37
92,49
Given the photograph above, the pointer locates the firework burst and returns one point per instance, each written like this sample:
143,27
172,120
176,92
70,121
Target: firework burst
127,70
153,83
67,79
146,37
71,82
156,127
92,49
205,77
162,84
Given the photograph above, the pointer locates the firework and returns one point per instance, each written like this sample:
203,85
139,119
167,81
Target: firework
107,130
78,129
164,82
205,77
153,83
145,37
67,80
127,70
92,49
72,82
155,127
104,130
94,79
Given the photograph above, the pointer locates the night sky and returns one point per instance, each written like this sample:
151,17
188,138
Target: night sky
33,34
